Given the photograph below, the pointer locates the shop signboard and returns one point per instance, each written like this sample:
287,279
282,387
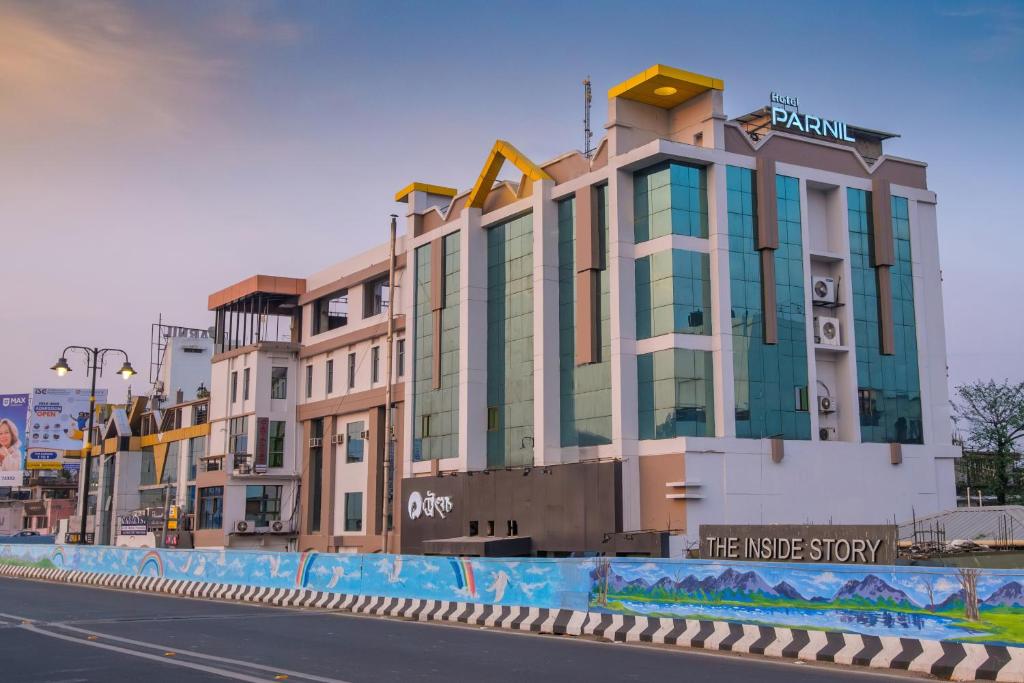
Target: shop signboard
56,422
262,445
13,439
825,543
133,525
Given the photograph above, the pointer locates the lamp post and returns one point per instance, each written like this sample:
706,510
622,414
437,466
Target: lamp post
94,359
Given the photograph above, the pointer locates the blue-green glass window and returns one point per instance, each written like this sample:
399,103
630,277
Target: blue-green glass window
888,387
354,443
586,395
437,410
673,293
670,199
510,342
675,394
768,377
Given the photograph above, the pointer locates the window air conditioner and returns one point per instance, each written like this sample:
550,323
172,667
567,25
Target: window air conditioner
823,290
337,439
826,330
365,434
826,404
316,442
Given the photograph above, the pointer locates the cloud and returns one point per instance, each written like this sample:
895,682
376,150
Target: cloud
253,22
95,64
999,29
824,580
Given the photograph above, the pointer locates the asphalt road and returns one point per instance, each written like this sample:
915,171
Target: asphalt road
67,633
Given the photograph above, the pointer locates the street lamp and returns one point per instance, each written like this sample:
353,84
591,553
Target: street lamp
94,358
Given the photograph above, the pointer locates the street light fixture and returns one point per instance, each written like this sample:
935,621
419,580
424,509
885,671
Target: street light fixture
61,367
127,370
94,358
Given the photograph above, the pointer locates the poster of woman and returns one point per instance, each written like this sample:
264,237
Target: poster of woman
13,416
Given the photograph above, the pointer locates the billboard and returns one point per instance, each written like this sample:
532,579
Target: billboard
13,440
56,420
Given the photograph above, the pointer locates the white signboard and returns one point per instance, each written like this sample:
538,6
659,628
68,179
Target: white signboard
429,505
57,419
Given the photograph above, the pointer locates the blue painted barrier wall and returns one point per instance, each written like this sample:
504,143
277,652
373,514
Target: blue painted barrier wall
937,603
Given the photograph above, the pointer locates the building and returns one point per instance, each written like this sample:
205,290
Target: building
248,483
147,452
706,320
710,320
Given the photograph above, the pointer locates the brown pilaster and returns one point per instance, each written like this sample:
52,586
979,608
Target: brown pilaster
886,333
330,452
769,308
767,236
882,252
588,267
766,241
437,293
374,473
883,257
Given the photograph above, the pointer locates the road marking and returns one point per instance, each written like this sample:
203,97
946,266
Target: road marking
123,650
200,655
169,653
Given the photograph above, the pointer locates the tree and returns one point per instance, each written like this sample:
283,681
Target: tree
993,414
969,582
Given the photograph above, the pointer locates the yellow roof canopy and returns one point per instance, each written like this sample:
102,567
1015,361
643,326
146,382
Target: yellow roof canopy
664,86
403,194
501,152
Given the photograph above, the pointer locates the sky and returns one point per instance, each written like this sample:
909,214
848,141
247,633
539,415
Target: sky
153,152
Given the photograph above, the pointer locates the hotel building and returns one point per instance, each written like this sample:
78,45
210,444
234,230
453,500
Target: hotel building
706,320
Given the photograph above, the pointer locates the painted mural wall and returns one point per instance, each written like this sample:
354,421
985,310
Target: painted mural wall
970,605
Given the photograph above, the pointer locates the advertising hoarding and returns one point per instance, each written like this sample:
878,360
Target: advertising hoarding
13,440
57,418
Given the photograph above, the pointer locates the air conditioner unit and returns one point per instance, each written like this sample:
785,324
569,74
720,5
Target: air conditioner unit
823,290
337,439
242,526
365,434
826,404
827,434
316,442
826,330
277,526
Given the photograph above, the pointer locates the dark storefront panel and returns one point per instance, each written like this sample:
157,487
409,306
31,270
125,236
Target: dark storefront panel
561,509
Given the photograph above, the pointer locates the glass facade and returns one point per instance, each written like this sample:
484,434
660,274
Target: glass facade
673,293
768,377
888,387
675,394
510,342
585,390
436,411
670,199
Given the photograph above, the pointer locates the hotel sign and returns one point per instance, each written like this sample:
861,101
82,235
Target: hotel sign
824,543
793,120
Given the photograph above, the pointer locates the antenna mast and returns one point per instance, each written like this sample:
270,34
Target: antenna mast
587,133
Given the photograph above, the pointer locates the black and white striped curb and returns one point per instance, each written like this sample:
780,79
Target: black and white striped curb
955,661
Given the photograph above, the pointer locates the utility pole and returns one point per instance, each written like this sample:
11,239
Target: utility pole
389,426
587,133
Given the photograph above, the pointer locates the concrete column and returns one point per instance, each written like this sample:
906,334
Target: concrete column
546,413
622,300
472,344
846,364
721,306
930,323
